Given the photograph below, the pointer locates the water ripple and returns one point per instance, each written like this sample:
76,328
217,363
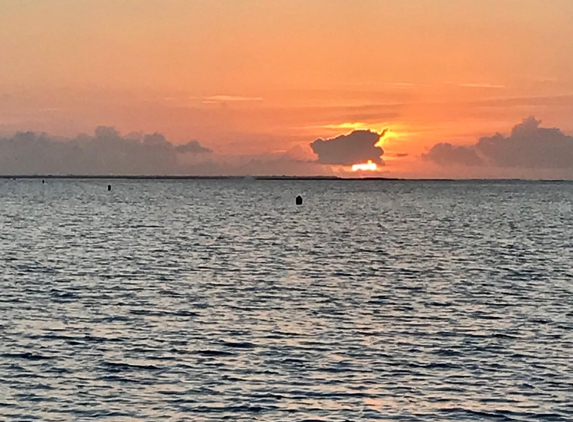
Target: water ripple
222,300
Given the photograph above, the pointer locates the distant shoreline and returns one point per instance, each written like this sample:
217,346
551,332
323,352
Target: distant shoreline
276,178
128,177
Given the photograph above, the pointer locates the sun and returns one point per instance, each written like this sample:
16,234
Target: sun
369,166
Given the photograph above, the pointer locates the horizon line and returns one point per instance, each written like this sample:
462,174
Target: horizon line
275,178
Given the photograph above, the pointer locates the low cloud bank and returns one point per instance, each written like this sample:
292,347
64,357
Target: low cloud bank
106,152
446,154
357,147
529,146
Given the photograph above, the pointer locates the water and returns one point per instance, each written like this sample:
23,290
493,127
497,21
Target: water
211,300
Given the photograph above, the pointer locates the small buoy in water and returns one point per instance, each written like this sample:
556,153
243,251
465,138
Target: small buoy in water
43,181
299,200
108,187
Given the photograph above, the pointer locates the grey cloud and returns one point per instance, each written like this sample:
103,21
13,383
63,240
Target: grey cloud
446,154
193,147
106,152
358,146
156,140
529,146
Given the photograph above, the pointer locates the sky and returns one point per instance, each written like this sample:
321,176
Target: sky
287,86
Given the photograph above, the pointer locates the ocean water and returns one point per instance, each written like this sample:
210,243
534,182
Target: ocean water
209,300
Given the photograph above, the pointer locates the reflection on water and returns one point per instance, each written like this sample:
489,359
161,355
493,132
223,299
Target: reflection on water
201,300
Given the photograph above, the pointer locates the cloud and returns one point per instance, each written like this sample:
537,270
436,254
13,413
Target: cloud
565,101
359,146
223,99
193,147
528,146
482,85
232,98
106,152
446,154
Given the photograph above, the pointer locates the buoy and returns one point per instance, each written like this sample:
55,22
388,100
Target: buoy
299,200
43,181
108,187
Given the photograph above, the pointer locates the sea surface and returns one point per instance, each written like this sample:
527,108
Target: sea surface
210,300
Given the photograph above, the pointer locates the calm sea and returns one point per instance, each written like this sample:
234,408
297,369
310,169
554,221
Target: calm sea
208,300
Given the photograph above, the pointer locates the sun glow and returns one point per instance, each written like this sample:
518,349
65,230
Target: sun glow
369,166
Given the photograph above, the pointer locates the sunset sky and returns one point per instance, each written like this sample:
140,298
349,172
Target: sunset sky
256,82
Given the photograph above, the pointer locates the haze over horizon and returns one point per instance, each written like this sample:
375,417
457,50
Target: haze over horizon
423,89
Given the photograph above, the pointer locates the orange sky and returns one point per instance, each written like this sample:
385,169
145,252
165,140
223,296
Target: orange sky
258,76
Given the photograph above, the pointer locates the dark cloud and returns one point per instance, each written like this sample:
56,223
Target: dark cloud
106,152
358,146
446,154
529,146
193,147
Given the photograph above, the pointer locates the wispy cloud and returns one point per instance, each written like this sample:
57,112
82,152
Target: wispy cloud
347,125
482,85
547,100
215,99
